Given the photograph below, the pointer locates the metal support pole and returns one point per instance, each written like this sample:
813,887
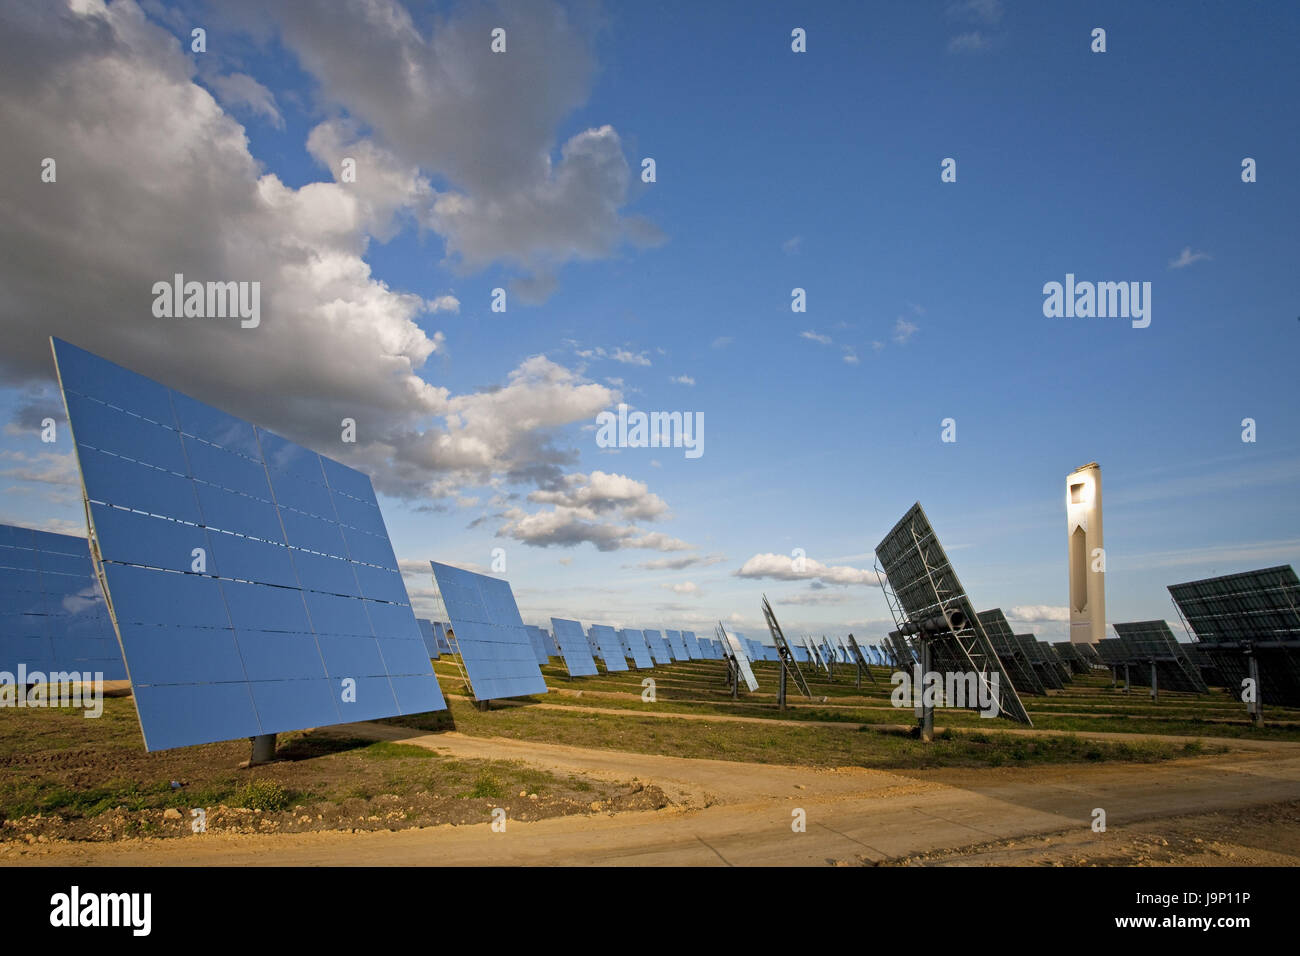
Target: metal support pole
927,708
263,749
1256,707
1155,690
780,693
1128,683
859,684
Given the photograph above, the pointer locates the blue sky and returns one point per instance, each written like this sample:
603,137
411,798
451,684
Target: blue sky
775,170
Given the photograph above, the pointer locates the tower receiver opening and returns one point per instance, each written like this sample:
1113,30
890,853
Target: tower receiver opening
1078,569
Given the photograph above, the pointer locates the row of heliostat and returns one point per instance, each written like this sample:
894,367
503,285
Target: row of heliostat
645,648
579,648
250,582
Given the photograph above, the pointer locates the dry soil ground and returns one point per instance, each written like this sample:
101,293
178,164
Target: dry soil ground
1231,808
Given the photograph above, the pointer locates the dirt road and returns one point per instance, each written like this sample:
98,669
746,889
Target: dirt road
728,813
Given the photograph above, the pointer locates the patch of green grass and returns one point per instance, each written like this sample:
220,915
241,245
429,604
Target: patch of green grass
810,745
48,797
1176,727
57,763
386,750
950,748
486,785
268,796
138,826
1179,716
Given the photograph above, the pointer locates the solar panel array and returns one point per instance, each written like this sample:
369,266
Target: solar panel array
1073,657
1205,663
814,656
495,648
430,638
785,653
538,638
860,656
924,584
900,651
1139,664
693,649
574,648
658,647
609,645
1048,653
903,652
1250,614
249,578
1088,652
1044,668
1112,651
1010,652
1255,606
52,611
888,645
828,652
634,644
677,645
1153,641
735,651
440,638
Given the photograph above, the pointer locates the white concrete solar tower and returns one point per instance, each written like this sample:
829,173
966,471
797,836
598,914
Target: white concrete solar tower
1087,555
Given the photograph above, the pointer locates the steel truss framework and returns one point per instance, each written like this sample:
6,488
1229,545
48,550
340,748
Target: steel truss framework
736,656
783,652
1010,652
1062,668
1073,657
900,652
1152,642
1046,664
1252,614
861,657
925,586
